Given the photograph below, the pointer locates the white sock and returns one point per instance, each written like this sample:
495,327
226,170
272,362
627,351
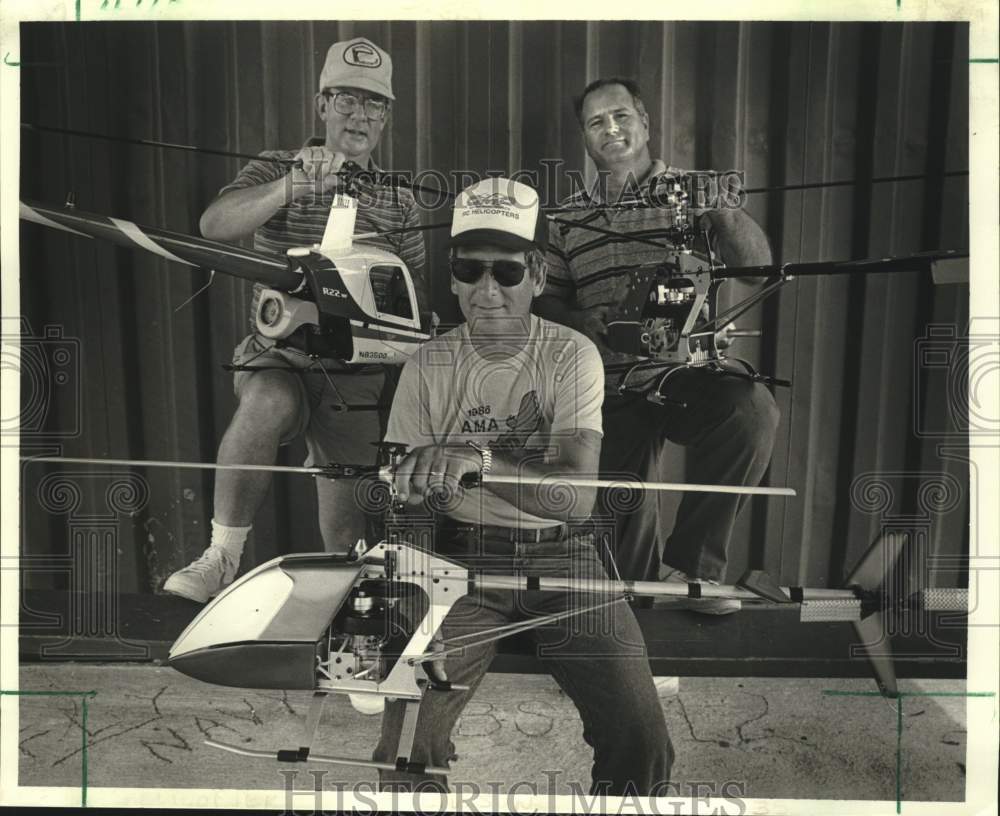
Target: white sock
230,539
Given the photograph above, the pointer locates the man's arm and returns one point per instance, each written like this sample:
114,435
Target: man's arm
574,456
238,213
441,467
739,239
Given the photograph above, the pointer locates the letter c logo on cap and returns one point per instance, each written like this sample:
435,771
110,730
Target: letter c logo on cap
363,55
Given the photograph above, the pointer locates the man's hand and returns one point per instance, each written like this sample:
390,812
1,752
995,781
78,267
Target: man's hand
592,322
723,337
433,468
318,173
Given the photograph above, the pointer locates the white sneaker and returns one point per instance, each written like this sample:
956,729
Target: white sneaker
204,578
706,606
369,704
667,686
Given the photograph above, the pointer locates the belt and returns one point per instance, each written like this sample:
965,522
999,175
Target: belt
522,535
493,534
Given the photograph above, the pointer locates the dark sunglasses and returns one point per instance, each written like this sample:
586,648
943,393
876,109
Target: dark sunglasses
505,273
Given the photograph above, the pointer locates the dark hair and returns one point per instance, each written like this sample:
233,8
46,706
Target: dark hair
629,85
536,261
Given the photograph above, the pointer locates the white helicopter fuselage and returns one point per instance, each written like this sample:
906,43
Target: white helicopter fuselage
366,288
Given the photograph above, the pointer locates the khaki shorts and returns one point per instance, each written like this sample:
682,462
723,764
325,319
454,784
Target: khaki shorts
331,435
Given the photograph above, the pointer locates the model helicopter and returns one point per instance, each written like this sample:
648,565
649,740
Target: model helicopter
668,317
337,300
334,624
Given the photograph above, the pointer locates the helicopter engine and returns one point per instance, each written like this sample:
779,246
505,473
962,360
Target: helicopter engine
663,305
366,637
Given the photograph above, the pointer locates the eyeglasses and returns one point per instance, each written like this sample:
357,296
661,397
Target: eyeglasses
506,273
347,103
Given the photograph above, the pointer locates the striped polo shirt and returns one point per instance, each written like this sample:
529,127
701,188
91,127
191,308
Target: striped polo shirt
587,268
302,223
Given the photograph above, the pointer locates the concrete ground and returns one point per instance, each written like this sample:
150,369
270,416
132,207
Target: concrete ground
776,738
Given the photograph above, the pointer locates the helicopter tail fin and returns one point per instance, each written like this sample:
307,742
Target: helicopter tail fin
877,574
872,632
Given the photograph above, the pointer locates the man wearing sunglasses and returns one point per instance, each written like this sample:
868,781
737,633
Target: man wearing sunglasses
727,424
283,200
511,394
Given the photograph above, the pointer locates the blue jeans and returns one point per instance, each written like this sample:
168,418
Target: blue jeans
728,426
598,658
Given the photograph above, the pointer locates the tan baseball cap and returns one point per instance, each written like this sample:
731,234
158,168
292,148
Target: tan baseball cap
501,212
358,63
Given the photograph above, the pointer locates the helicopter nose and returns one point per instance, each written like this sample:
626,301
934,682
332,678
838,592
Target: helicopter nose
264,630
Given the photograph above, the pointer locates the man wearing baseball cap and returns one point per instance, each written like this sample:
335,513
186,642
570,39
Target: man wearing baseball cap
283,199
510,393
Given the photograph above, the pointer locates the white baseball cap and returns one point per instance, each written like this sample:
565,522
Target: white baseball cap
357,63
501,212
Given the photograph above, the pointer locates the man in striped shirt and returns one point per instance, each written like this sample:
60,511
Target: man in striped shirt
726,423
284,205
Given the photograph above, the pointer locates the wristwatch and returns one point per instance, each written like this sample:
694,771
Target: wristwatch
485,454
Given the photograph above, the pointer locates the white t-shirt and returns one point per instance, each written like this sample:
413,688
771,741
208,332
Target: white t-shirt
449,394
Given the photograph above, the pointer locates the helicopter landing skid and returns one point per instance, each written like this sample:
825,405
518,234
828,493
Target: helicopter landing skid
303,753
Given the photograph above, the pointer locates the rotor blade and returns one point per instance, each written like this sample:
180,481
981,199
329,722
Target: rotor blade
384,473
364,236
558,481
387,178
918,262
609,232
818,185
89,134
174,246
312,471
638,204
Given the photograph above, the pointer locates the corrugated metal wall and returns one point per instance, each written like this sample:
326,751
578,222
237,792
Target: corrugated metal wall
787,103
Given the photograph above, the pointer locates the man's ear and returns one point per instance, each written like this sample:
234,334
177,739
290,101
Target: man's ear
454,289
320,102
538,277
